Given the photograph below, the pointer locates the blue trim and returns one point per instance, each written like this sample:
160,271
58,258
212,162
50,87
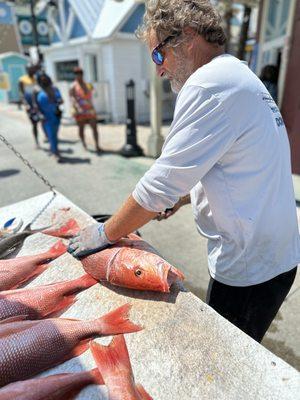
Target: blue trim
6,17
78,30
134,20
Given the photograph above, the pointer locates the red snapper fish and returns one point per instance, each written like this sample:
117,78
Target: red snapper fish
46,343
41,301
15,271
54,387
115,368
132,263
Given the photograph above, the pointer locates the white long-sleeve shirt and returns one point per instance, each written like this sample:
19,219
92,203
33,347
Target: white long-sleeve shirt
228,146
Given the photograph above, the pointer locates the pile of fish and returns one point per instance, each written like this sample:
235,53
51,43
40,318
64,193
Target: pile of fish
33,338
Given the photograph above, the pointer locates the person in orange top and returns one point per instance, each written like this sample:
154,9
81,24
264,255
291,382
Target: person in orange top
83,109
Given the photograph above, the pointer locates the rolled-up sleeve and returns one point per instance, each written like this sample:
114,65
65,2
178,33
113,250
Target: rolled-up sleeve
200,135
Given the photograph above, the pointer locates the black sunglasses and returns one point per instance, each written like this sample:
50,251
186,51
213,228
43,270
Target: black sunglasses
157,56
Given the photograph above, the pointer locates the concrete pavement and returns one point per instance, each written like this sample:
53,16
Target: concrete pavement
99,184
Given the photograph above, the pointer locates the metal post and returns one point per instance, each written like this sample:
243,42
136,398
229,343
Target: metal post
131,148
155,141
35,32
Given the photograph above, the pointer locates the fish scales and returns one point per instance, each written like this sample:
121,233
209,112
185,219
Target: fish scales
41,301
18,270
49,342
54,387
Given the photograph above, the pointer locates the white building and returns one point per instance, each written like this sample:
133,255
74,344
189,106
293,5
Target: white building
99,36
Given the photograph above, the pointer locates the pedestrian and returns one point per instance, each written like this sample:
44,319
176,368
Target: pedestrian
83,109
269,77
228,153
27,86
49,101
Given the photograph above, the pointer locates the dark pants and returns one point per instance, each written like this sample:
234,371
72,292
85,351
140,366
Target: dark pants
251,308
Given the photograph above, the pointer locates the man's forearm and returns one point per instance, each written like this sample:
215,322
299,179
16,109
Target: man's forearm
130,217
185,200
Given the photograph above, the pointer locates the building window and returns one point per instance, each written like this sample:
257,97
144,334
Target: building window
64,70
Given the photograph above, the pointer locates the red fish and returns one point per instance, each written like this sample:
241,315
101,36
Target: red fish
54,387
114,365
39,302
65,230
18,270
132,263
49,342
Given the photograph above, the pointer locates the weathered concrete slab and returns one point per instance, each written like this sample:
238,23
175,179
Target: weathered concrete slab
186,351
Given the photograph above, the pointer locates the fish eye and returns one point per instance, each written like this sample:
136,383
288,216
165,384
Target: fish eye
138,272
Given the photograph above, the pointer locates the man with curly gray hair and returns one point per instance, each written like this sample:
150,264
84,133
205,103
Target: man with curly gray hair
228,153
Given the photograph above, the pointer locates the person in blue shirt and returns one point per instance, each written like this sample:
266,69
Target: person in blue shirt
48,100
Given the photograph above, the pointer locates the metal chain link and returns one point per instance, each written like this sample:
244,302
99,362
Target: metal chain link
27,163
39,175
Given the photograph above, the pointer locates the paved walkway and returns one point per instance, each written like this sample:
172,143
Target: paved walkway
99,184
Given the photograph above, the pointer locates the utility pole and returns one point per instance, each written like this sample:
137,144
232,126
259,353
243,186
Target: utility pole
244,32
35,32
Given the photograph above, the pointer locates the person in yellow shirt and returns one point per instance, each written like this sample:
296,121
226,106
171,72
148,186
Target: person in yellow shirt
27,88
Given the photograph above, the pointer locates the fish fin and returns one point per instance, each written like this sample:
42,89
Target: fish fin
85,281
64,304
117,322
14,319
66,230
97,377
57,250
142,392
112,358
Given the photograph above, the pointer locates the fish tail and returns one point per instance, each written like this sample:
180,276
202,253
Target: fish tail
142,392
84,282
117,322
112,358
57,250
96,376
66,230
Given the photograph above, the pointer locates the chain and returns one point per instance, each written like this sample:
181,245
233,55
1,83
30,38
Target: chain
40,176
27,163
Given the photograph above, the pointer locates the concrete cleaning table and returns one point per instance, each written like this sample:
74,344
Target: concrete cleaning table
186,350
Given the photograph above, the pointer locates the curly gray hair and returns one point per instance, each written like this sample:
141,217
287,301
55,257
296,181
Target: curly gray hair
169,17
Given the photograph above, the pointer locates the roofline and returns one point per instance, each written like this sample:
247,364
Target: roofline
13,53
117,27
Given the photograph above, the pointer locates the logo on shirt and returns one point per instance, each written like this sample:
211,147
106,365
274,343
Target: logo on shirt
267,98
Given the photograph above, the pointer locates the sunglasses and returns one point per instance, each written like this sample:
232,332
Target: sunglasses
157,55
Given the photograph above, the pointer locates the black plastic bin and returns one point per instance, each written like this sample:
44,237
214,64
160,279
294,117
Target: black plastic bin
105,217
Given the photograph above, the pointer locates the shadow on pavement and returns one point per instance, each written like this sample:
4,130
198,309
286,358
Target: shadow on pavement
8,172
74,160
107,152
66,141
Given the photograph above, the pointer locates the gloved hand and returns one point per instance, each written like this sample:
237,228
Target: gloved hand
89,239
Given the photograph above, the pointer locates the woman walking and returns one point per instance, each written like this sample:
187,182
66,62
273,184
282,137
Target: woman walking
48,100
83,109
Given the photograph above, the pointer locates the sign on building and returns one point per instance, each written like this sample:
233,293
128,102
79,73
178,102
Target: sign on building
27,31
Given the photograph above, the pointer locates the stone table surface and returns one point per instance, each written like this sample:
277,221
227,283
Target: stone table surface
186,350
